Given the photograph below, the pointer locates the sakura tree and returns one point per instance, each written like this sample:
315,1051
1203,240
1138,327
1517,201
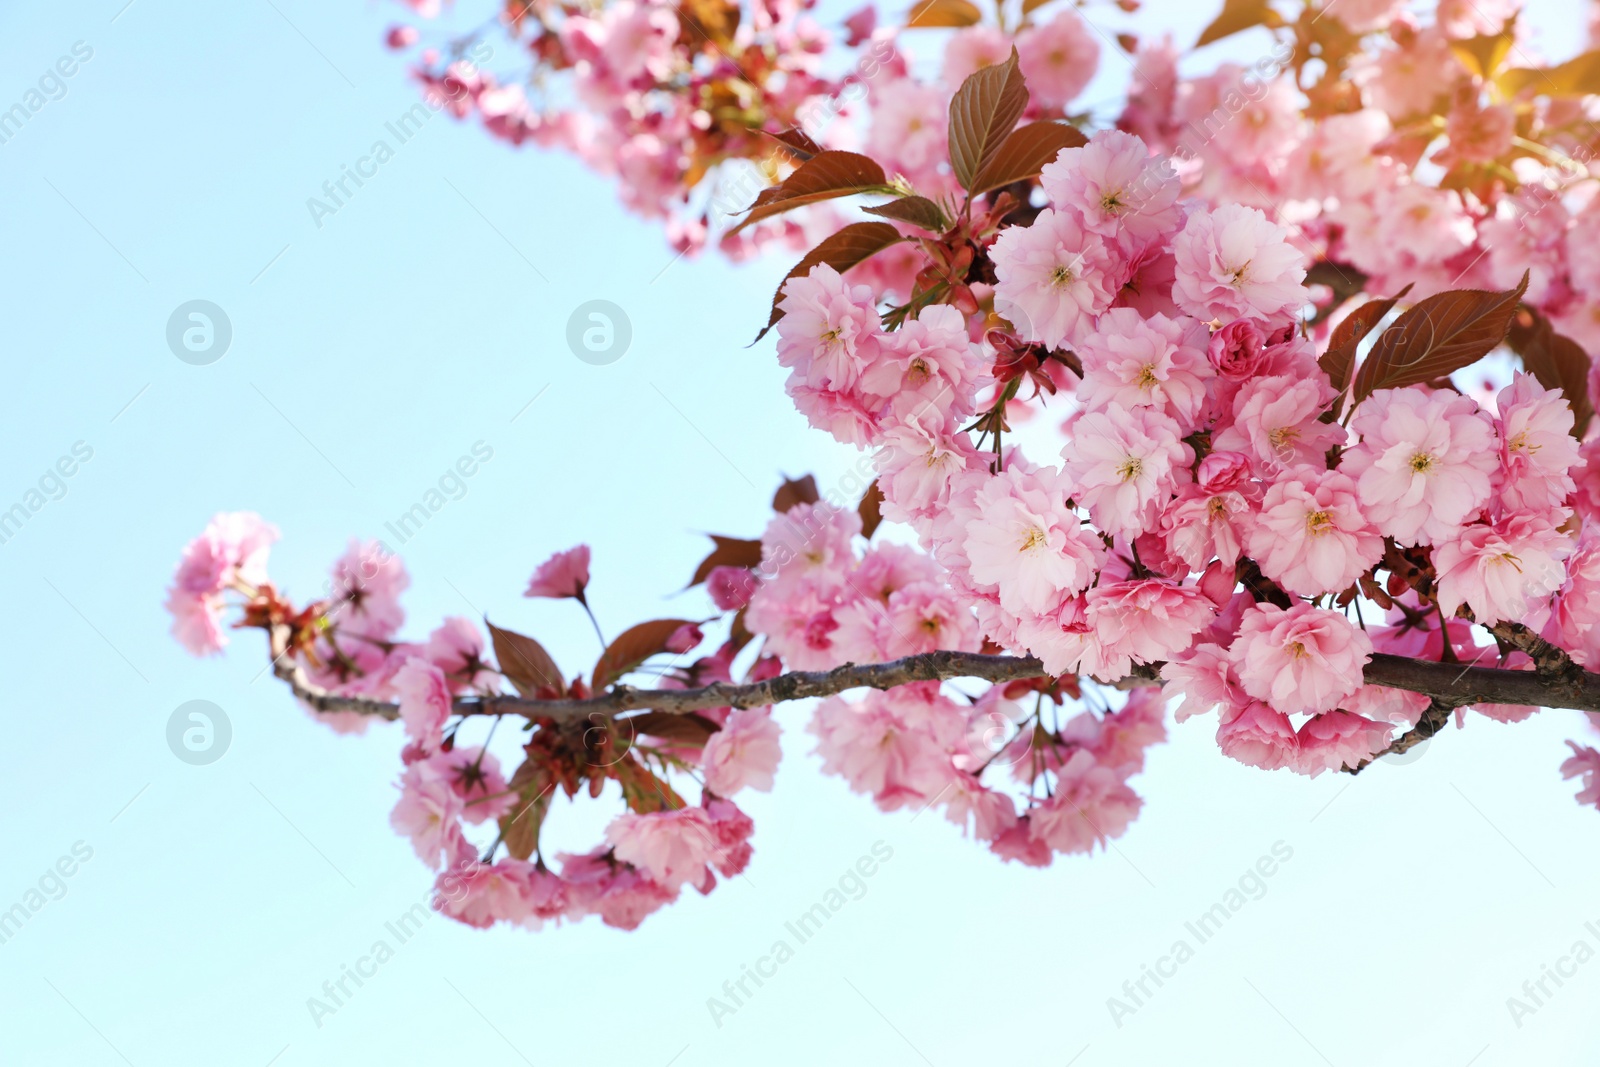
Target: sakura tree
1248,316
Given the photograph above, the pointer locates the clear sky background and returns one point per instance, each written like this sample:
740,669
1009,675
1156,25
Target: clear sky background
367,356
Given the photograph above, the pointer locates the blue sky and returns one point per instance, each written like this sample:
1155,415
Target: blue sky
426,316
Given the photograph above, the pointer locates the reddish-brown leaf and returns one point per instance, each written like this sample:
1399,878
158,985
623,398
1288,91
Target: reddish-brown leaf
802,490
1237,15
1557,361
690,729
1579,76
1340,358
983,113
526,663
520,826
822,177
642,791
1025,153
631,648
797,143
843,250
870,509
927,14
1436,337
709,24
916,210
730,552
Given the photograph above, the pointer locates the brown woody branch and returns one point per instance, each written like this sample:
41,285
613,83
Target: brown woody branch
1450,685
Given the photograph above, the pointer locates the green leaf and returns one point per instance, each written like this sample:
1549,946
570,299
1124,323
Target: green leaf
983,113
843,250
1025,153
827,176
1436,337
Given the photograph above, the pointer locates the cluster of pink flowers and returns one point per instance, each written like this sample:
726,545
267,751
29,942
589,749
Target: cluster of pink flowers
448,787
1202,448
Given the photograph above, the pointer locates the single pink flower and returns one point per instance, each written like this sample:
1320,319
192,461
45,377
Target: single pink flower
1124,465
1305,659
1053,276
1233,262
565,574
1584,761
1502,571
671,847
1277,423
1058,58
1424,462
428,812
1311,536
1145,621
745,752
1537,449
425,702
1259,736
1136,361
1026,544
1337,739
1116,186
1091,805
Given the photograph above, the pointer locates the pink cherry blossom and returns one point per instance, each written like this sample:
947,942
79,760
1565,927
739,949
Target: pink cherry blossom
1058,58
1276,422
670,847
1259,736
731,588
429,810
1537,449
1053,278
893,746
1137,361
1025,543
619,893
232,549
745,752
1503,571
1424,461
1235,263
456,648
1304,659
1204,676
565,574
829,332
1584,762
1311,536
1336,739
425,702
1116,187
483,895
366,585
1123,465
1091,804
1145,621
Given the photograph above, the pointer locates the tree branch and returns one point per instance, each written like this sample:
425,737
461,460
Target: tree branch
1450,685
